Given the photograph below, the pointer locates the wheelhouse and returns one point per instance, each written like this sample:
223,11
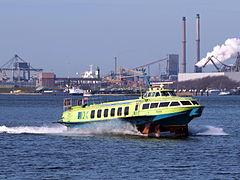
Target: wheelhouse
159,92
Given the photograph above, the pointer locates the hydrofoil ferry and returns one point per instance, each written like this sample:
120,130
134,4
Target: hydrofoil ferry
158,110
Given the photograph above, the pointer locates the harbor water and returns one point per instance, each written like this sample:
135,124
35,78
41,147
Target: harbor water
32,147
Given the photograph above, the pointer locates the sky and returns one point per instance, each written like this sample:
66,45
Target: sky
66,36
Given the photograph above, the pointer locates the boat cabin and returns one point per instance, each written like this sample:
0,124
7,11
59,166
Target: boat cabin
158,92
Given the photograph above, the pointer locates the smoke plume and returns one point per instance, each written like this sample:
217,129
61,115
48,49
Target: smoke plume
227,50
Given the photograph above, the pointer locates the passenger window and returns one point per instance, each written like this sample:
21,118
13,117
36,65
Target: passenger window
175,103
154,105
172,93
112,112
136,107
165,93
157,94
151,94
195,103
145,106
126,111
164,104
79,115
119,111
99,112
185,103
92,114
105,114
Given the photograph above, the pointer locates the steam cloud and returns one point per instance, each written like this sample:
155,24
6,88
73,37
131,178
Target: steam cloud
227,50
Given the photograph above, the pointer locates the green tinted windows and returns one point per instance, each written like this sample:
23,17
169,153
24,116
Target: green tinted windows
126,111
105,113
154,105
92,114
185,103
195,103
157,94
145,106
164,104
99,112
136,107
112,113
119,111
175,103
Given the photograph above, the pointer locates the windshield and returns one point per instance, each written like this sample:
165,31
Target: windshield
161,93
168,93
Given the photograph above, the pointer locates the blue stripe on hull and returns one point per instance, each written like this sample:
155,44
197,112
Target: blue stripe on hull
85,124
170,119
179,118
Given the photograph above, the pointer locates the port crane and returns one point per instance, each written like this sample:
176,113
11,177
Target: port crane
20,69
152,63
129,73
124,77
223,68
123,74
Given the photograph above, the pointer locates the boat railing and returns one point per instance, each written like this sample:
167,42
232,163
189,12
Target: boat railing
67,104
86,101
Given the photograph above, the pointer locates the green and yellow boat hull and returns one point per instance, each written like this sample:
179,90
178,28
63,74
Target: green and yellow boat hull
151,114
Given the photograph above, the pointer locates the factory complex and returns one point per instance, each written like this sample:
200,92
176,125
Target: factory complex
18,73
235,76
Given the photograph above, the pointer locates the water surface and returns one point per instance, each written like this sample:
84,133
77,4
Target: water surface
32,147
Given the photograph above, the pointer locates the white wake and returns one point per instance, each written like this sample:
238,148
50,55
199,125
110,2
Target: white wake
117,128
33,129
207,131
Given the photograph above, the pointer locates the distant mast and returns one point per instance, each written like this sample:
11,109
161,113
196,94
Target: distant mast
115,61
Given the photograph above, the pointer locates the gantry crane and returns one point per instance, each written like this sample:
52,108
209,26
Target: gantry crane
222,68
19,69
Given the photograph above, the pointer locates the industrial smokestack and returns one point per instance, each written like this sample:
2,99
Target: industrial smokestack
184,45
198,69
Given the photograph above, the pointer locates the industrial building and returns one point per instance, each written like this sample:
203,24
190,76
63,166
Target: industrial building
89,80
46,79
170,66
17,72
166,69
230,71
235,76
173,66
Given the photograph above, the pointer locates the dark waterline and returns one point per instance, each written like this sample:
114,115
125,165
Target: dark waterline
34,148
